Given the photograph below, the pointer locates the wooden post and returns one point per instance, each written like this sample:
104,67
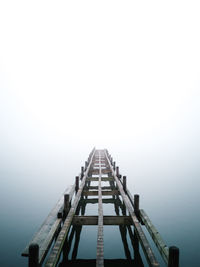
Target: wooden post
124,183
117,171
136,205
114,163
66,204
77,184
33,260
82,172
86,165
173,260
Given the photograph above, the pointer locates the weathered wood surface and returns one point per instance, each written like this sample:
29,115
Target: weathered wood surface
103,179
45,235
173,257
96,187
100,248
107,220
95,200
58,246
141,236
108,262
104,193
104,171
162,247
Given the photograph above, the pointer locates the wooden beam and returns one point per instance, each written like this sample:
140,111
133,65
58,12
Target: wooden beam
100,247
104,193
95,200
108,262
162,247
96,187
103,179
107,220
104,171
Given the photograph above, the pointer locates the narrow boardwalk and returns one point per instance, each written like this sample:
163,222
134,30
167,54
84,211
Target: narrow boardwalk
61,231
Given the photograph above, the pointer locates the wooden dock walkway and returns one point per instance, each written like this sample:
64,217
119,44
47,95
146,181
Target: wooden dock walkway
51,244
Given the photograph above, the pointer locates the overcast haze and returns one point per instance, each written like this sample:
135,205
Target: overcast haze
121,75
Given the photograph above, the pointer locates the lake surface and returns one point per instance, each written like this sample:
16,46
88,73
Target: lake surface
169,193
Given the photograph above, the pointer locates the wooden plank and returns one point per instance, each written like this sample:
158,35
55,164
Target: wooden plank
95,200
104,193
104,171
107,220
58,246
141,236
96,187
108,262
46,234
103,179
100,247
162,247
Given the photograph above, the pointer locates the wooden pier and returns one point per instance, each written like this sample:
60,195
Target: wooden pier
98,183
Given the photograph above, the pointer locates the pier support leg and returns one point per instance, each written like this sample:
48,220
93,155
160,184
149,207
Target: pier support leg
124,183
136,205
66,204
114,163
173,257
117,172
33,260
77,184
86,164
82,172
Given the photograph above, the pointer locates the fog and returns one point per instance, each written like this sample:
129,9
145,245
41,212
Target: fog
120,75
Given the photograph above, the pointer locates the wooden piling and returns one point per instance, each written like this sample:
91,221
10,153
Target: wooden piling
173,260
136,205
124,183
117,171
86,164
33,255
66,204
82,172
77,184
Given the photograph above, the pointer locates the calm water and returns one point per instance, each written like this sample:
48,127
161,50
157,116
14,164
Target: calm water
169,194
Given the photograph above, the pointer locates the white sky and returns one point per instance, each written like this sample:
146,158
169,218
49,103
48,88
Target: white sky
103,73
